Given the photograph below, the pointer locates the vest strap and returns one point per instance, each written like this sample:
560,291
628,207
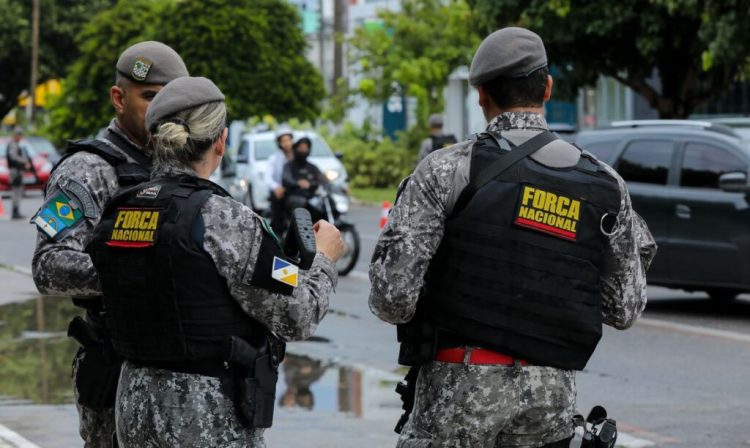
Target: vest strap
504,162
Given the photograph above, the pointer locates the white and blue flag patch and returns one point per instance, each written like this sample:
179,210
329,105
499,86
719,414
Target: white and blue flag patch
284,272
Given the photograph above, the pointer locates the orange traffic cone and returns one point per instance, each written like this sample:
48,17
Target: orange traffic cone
384,213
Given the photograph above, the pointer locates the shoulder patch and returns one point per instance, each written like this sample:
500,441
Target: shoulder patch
547,212
58,216
285,272
149,192
81,195
135,227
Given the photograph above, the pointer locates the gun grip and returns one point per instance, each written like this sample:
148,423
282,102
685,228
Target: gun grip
300,240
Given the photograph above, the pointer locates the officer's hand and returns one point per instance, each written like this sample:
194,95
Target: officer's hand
328,240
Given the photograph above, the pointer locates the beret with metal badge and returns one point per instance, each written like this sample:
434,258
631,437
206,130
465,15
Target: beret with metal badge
151,62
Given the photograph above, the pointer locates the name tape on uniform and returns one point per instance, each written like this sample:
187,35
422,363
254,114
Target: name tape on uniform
547,212
135,227
284,272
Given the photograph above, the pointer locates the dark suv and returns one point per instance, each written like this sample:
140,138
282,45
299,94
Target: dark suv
689,181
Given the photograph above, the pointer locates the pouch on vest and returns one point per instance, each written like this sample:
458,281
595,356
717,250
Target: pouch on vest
418,339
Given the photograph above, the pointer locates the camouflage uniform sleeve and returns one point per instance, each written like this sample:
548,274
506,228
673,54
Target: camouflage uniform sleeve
629,255
413,233
62,267
233,239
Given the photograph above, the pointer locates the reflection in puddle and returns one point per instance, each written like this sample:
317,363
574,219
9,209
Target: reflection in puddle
35,353
36,356
312,384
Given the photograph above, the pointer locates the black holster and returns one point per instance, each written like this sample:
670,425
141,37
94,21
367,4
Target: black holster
256,374
407,389
418,339
98,368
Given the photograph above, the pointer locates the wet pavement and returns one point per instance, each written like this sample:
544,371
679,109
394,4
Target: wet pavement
317,400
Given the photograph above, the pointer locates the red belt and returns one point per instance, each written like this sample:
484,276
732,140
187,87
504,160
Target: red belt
477,356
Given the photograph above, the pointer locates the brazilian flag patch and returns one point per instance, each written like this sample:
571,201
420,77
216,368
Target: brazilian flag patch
57,216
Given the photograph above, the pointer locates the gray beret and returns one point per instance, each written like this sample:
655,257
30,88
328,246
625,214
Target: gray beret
182,93
151,62
435,121
507,53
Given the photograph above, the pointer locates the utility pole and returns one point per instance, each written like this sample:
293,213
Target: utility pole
321,40
338,50
31,99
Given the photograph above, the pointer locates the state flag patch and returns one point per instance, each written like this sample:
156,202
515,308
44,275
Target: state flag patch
284,272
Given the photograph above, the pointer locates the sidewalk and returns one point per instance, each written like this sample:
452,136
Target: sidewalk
15,285
294,427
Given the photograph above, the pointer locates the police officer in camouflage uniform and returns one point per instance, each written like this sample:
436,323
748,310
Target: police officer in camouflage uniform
501,260
79,186
198,292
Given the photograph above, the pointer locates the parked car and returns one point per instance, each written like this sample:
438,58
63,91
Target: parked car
35,179
248,185
689,181
44,148
740,125
565,131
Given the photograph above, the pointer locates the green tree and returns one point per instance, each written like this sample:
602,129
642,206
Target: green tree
416,49
60,21
253,50
696,48
84,105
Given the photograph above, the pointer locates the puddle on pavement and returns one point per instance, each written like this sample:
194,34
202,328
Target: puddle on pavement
319,386
36,356
35,353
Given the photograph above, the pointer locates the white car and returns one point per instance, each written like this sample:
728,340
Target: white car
248,185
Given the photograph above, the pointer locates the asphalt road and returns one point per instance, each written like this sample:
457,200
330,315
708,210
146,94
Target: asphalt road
678,378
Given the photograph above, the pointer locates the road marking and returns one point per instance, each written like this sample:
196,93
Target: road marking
694,330
628,441
15,268
14,439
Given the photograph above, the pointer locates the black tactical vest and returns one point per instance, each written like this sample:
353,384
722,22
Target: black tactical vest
164,300
518,269
128,173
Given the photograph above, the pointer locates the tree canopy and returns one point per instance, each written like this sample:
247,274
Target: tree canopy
416,49
254,52
696,48
60,21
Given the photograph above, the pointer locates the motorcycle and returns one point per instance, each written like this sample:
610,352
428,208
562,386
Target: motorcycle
330,202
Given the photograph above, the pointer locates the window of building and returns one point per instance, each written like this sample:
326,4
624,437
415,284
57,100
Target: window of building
646,161
703,163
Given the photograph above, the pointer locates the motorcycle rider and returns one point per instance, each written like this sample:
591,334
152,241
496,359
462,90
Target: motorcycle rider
301,178
272,177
